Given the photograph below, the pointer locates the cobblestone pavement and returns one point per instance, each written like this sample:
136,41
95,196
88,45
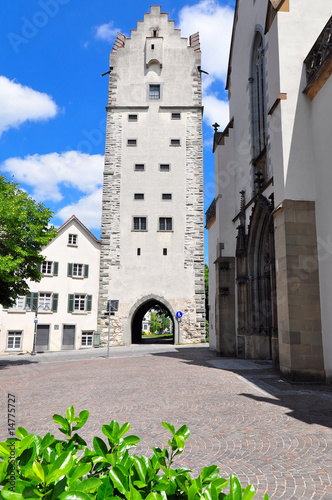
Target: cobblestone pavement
241,415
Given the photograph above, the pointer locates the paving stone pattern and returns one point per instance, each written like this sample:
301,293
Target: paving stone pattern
241,415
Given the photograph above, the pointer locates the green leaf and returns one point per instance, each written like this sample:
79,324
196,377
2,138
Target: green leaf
81,420
119,480
249,492
74,495
125,428
25,443
11,495
79,471
183,431
100,446
141,467
235,490
209,473
180,442
89,485
105,491
61,466
169,427
59,488
47,441
21,432
39,471
130,440
58,419
70,414
266,496
4,450
192,491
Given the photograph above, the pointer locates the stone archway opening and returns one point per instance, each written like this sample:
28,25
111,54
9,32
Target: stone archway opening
156,320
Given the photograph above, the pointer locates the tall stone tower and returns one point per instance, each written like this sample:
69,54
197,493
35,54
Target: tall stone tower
152,248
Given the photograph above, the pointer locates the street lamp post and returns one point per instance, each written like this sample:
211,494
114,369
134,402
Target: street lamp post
33,352
112,306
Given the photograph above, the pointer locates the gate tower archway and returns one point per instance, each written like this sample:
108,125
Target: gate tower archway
138,311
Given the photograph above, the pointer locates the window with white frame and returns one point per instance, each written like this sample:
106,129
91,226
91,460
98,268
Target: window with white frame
77,269
14,340
19,303
79,303
47,267
165,224
139,224
87,339
44,302
72,239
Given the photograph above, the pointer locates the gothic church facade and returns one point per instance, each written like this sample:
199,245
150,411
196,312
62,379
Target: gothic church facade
270,223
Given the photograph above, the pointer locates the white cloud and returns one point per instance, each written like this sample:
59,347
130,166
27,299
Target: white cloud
19,104
214,23
106,32
46,173
215,110
87,209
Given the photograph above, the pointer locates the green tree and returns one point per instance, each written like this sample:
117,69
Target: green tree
24,231
155,325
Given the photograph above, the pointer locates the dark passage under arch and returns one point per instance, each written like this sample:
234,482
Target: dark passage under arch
136,326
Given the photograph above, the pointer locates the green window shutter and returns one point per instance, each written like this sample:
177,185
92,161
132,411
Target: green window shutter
55,268
34,301
55,302
86,270
28,301
70,302
70,270
88,303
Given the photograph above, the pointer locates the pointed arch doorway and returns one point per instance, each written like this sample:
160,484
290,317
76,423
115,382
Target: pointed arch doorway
137,313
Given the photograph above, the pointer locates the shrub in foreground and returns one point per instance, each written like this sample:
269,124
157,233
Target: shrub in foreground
49,468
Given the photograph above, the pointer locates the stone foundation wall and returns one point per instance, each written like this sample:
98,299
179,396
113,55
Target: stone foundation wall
298,295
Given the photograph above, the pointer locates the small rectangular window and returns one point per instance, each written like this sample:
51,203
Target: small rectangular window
138,251
77,269
139,196
154,92
79,303
165,224
44,303
176,116
131,142
14,340
87,339
139,223
166,196
139,167
164,251
72,239
19,303
164,167
175,142
132,118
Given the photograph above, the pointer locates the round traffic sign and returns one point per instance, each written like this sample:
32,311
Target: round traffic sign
179,314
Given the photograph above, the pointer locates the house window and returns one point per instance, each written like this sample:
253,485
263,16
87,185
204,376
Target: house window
164,167
139,167
165,224
131,142
87,339
14,340
139,196
77,270
166,196
72,239
44,303
175,142
19,304
79,303
49,268
164,251
176,116
154,92
258,108
139,223
138,251
132,118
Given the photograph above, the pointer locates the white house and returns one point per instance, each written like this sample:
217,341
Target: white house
270,224
64,302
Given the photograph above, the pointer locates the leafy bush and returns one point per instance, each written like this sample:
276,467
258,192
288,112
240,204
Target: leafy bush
49,468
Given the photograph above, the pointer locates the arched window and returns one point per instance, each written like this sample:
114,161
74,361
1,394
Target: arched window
258,109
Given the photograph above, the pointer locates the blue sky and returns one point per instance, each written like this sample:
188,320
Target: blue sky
52,97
